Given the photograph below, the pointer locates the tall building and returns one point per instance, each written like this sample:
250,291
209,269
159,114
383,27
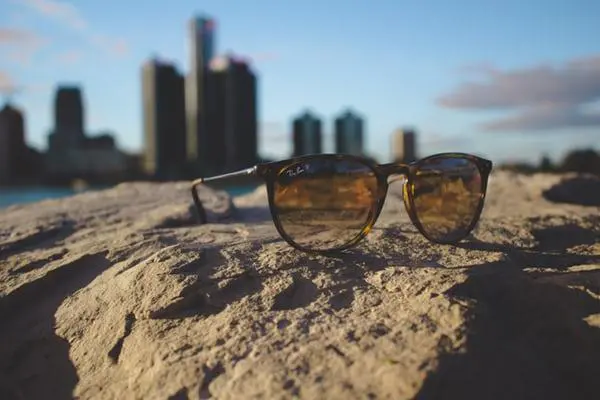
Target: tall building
71,153
307,135
231,116
68,134
201,44
13,150
349,134
5,164
163,120
69,125
404,146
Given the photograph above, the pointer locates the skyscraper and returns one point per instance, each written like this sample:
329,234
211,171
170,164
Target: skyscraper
231,116
404,146
201,52
68,135
69,125
13,150
307,135
71,153
349,134
164,120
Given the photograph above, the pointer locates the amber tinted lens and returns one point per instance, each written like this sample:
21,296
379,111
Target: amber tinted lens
325,204
447,193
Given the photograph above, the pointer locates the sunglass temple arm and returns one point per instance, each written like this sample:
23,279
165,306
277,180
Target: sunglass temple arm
196,182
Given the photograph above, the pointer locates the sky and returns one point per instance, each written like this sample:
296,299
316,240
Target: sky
508,80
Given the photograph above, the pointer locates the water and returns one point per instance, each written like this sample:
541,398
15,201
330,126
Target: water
9,197
239,190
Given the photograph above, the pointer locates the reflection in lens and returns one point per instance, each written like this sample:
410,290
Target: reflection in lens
324,204
447,193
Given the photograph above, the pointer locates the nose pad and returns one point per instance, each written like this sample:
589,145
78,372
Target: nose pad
400,178
396,178
397,192
409,209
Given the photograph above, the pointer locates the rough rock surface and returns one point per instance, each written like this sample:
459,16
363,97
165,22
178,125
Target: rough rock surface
120,294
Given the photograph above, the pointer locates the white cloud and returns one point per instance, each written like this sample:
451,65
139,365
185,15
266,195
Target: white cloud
538,98
69,16
60,11
19,45
69,57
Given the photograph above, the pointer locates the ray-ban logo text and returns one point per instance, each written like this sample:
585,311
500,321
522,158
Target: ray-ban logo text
296,171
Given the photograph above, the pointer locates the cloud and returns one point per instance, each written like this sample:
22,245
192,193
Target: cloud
60,11
69,16
19,45
9,85
545,117
538,98
69,57
7,82
13,36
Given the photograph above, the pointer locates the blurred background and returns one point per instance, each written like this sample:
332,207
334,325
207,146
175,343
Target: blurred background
98,93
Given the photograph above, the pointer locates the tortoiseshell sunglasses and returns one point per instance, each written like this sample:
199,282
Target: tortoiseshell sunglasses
329,202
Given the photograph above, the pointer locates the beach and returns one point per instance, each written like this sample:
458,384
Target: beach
121,294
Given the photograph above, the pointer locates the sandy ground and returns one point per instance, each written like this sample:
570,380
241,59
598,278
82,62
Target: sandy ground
120,294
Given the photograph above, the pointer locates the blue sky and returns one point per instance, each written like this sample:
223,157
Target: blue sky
508,80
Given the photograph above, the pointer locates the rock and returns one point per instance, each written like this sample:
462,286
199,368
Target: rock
120,294
583,190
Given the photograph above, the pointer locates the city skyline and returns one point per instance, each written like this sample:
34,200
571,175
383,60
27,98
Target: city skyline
203,122
422,78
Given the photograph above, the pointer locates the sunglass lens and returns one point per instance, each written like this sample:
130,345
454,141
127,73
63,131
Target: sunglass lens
325,204
447,195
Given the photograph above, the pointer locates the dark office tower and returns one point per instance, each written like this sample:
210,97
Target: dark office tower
307,135
13,150
69,126
349,134
68,134
231,116
68,114
164,120
201,51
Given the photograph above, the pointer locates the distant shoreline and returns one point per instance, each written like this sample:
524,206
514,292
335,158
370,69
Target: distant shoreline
18,195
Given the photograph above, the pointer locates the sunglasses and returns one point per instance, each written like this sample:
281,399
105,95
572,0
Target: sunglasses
329,202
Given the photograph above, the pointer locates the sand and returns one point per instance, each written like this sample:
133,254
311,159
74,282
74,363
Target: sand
120,294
